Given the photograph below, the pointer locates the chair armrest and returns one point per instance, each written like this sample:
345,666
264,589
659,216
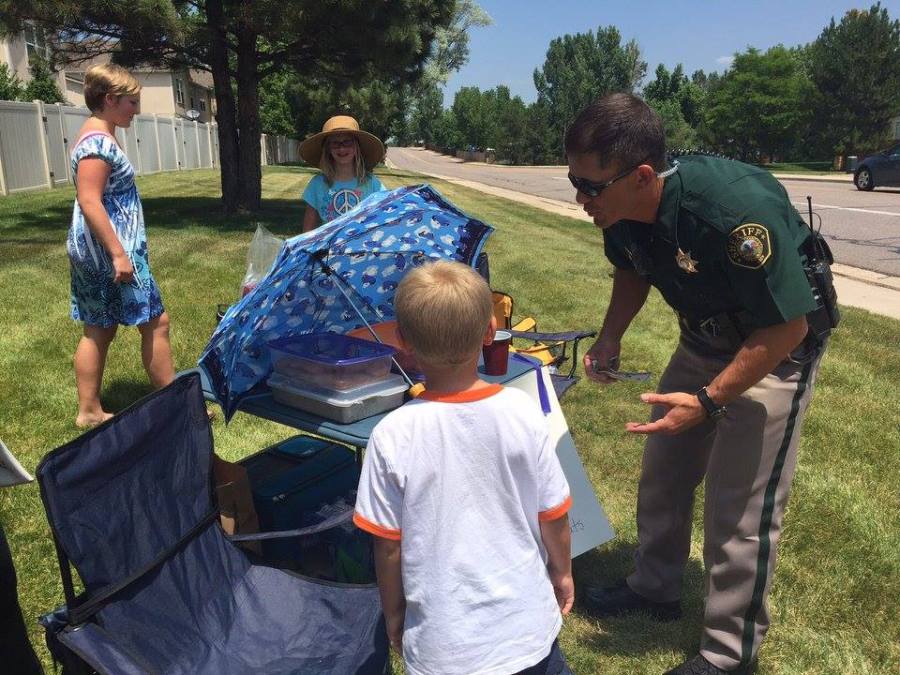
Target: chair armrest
527,324
553,337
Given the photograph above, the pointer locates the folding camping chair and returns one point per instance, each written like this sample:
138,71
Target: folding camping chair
130,506
549,348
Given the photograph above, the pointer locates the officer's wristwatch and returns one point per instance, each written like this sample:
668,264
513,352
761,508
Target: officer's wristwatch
713,410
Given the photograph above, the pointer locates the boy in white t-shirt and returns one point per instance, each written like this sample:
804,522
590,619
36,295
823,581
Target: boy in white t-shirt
466,498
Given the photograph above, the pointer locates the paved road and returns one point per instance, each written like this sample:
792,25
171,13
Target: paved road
863,228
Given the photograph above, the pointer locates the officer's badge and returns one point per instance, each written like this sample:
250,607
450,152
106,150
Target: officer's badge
749,246
685,262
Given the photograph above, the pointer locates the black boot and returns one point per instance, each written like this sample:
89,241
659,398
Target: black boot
619,599
700,666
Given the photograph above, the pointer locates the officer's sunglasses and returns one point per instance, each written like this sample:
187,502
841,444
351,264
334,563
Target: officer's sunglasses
592,189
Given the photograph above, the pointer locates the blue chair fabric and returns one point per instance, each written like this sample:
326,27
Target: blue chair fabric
130,505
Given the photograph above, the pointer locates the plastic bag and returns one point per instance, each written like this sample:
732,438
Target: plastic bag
264,248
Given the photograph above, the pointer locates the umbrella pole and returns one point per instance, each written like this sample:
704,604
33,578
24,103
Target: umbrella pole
415,388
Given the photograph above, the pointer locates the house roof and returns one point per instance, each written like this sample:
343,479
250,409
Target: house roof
200,78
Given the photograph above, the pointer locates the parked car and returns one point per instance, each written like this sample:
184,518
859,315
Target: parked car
879,170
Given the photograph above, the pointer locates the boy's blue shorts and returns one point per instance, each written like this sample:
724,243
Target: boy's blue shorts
553,664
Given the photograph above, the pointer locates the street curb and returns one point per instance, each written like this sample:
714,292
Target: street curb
867,276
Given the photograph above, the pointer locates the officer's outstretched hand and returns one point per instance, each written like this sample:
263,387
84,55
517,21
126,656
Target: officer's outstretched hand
681,412
603,354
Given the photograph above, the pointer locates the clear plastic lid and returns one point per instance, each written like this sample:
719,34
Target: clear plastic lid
332,348
389,386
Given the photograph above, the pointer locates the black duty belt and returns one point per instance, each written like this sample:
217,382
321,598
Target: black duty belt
728,325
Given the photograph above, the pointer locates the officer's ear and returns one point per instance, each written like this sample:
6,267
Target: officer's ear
646,175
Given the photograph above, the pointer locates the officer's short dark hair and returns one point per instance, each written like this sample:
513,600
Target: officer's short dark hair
621,130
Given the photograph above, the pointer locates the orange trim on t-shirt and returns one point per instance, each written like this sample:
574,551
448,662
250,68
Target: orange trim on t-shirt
556,511
462,396
372,528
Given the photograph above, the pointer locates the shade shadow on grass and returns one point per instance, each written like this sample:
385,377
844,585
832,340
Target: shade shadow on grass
282,216
120,393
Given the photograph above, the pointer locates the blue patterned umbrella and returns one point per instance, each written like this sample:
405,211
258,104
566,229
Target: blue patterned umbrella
369,249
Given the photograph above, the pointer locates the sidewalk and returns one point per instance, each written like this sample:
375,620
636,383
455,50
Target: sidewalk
875,292
838,178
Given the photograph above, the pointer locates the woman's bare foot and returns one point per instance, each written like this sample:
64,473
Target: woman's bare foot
86,421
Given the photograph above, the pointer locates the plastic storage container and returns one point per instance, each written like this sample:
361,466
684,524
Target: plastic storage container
331,361
340,406
291,481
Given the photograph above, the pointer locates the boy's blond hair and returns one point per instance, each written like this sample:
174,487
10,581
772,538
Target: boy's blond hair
328,169
443,311
107,78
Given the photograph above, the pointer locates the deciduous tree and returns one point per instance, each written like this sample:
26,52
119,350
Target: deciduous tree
855,65
474,116
762,106
680,102
582,67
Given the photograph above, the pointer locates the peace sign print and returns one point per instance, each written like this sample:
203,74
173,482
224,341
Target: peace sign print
344,200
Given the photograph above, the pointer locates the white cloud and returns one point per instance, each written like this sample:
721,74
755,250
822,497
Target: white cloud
725,61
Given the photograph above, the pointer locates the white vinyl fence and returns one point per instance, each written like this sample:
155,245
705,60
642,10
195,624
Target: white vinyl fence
36,138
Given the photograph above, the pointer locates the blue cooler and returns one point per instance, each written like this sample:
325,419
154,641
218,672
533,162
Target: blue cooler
290,481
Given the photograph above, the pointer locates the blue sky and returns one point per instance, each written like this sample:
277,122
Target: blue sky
698,33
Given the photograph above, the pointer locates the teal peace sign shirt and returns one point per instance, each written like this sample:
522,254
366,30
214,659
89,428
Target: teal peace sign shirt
740,240
340,197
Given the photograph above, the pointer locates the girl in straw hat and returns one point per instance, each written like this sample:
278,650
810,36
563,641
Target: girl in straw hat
345,155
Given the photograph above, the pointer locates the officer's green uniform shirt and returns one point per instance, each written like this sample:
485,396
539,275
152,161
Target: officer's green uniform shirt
741,235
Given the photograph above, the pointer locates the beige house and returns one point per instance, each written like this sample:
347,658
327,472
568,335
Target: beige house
16,53
164,92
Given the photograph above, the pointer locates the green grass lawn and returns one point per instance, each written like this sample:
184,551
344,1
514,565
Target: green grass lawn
834,603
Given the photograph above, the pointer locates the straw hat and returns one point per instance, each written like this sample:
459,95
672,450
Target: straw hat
372,148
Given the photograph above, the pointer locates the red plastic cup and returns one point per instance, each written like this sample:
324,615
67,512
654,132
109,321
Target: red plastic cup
496,354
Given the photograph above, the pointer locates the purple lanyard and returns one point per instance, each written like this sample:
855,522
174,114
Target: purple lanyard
537,366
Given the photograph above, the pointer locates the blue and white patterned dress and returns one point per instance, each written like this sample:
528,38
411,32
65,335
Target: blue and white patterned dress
96,299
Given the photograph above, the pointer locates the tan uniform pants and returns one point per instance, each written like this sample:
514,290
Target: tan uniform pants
748,458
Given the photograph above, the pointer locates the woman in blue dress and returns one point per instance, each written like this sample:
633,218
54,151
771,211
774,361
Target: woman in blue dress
107,245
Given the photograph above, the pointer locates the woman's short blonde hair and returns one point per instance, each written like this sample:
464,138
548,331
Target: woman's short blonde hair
443,312
108,78
327,167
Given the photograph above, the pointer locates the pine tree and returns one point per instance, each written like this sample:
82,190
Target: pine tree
241,43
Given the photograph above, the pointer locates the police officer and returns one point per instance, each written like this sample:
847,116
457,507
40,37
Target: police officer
722,243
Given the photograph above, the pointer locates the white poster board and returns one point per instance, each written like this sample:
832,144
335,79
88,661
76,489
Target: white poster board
11,472
590,526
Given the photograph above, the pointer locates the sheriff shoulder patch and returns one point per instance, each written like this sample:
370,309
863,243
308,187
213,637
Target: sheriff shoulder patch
749,246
